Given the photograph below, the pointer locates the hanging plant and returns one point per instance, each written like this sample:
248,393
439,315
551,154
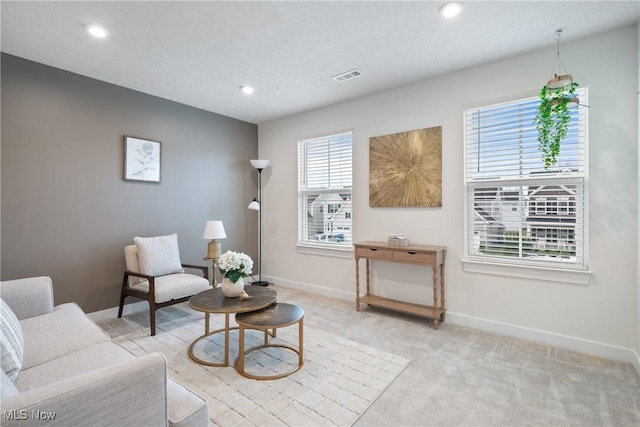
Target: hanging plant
552,120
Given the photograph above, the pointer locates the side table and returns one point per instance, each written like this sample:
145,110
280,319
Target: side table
214,262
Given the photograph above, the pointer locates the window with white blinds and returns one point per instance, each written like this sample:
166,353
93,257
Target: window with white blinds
518,212
324,191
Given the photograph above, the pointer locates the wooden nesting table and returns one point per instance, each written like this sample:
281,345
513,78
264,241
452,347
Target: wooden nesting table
212,301
429,256
278,315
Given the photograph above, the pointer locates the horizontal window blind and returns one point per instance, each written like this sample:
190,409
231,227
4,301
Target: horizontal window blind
324,190
518,211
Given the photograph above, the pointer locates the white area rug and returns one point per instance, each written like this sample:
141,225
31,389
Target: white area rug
340,378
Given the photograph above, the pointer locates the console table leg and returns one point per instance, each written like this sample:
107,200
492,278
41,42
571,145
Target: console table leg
435,285
442,293
357,284
368,279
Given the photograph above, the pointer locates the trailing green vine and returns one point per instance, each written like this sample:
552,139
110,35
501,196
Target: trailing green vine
552,120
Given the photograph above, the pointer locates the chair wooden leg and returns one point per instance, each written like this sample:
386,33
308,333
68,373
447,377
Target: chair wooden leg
152,316
122,295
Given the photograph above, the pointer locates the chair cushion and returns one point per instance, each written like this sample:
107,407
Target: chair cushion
11,340
174,286
131,259
159,255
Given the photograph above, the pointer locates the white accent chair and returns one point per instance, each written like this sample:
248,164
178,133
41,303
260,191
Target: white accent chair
155,273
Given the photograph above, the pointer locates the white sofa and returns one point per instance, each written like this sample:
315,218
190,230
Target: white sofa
72,374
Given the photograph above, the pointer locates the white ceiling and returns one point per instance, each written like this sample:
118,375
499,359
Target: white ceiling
199,53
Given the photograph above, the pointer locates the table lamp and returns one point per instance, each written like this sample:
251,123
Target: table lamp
214,230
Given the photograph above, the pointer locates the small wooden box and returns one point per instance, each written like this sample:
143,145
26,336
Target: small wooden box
398,242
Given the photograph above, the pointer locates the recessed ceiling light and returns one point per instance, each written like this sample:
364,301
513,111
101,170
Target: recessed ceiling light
451,9
246,89
96,31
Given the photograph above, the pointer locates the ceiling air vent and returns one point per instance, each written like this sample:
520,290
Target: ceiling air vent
342,77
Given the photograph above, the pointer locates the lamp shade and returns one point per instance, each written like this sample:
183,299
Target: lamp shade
259,164
254,205
214,230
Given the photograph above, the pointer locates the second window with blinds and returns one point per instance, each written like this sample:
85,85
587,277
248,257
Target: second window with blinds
324,191
518,212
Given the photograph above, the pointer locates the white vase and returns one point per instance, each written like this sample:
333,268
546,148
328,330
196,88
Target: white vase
230,289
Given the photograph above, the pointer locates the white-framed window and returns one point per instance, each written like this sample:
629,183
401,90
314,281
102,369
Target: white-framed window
541,205
563,206
501,154
324,191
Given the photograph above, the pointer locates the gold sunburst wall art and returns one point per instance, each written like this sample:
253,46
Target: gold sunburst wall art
405,169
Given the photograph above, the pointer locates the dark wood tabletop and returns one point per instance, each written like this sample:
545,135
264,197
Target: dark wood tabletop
213,301
277,315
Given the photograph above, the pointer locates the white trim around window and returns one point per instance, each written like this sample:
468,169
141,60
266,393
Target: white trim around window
325,175
523,220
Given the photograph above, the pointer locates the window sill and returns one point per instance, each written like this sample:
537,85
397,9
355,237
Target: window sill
325,250
576,277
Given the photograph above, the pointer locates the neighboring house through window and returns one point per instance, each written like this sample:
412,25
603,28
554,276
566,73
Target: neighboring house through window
517,211
324,191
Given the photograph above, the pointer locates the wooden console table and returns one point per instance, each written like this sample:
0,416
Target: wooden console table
430,256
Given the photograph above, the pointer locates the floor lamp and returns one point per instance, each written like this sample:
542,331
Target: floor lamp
256,205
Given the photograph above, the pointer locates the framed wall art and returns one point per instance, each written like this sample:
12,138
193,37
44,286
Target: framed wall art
405,169
141,160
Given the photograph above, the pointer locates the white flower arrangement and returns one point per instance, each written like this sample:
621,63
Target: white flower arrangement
235,265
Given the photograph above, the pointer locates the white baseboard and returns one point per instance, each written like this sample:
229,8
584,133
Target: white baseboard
580,345
112,313
334,293
606,351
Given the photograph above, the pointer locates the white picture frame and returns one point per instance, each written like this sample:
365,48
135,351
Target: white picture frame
142,160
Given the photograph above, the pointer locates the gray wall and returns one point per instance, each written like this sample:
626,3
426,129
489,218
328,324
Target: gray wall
66,210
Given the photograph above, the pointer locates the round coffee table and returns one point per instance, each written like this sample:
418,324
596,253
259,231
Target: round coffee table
213,301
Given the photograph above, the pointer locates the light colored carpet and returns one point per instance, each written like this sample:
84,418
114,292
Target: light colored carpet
459,376
340,378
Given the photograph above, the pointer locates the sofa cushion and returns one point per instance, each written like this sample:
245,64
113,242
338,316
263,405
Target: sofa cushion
184,408
11,341
56,334
159,255
174,286
79,362
28,297
128,394
7,387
